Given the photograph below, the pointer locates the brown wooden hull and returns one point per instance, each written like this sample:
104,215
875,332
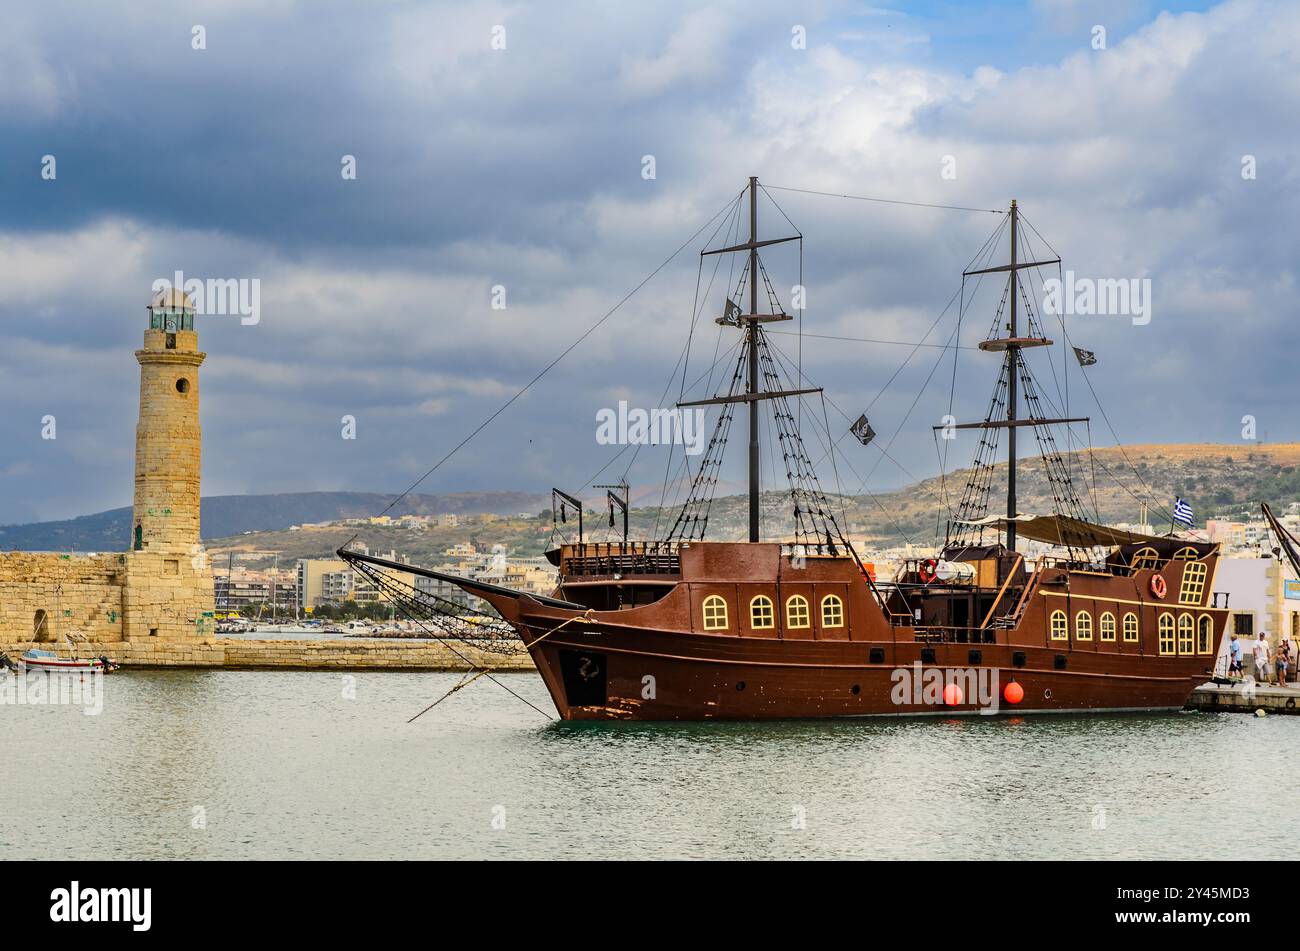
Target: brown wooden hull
664,676
1071,641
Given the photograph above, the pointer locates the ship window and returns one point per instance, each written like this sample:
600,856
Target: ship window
1145,558
1185,640
1106,627
1060,631
1166,633
832,611
1193,583
1204,634
1186,554
760,612
1083,626
1130,627
796,611
715,613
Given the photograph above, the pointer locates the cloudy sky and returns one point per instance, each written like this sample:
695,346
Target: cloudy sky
524,167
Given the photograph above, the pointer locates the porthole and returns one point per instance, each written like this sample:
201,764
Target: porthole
740,685
182,386
1047,694
857,689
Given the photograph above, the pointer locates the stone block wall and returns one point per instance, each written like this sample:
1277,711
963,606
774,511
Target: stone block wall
44,594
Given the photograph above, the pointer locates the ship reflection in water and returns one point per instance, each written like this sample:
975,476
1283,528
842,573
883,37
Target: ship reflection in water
229,764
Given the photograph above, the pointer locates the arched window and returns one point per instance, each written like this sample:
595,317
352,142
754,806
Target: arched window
715,613
1204,635
1060,632
832,611
1166,631
1106,627
1186,637
1083,626
1193,583
796,611
1145,558
1131,628
761,615
1186,554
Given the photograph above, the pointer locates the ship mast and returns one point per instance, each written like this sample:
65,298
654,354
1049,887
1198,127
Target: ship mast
754,346
752,341
1013,361
1013,371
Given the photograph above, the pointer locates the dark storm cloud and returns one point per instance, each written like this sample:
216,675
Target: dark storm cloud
522,167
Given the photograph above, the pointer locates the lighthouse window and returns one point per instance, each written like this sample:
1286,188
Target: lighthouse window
1130,627
761,614
182,385
1185,627
832,611
1193,583
1060,630
1083,626
796,611
715,613
1166,631
1106,627
1204,634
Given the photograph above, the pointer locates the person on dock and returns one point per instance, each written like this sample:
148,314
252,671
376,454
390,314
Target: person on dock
1283,661
1260,654
1234,657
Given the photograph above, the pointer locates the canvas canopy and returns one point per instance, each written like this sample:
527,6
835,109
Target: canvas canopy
1063,530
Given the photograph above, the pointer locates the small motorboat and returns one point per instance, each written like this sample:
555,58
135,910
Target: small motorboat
38,659
48,660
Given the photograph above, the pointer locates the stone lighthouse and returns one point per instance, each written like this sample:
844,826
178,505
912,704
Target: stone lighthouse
169,584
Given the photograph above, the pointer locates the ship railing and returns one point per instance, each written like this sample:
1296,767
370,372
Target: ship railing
948,634
622,558
1079,564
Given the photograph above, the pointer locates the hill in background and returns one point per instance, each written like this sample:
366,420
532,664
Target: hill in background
225,515
1226,481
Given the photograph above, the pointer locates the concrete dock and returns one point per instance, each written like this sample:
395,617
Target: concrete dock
1246,697
340,654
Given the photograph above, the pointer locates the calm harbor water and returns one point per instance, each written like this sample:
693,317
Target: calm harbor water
284,765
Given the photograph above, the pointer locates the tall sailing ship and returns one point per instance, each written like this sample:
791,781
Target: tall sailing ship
686,628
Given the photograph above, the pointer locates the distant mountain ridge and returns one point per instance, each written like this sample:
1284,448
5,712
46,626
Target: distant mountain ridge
226,515
1217,479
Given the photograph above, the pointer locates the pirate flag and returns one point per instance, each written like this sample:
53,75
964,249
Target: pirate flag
862,430
731,313
1086,358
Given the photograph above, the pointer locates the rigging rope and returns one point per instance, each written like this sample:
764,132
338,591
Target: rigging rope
885,201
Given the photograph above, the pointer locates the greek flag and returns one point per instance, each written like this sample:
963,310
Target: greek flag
1183,512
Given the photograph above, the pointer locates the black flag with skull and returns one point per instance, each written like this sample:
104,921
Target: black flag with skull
862,430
